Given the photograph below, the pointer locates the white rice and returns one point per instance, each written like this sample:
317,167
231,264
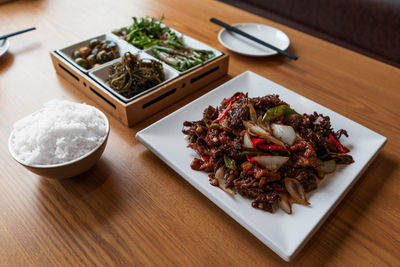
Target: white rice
60,132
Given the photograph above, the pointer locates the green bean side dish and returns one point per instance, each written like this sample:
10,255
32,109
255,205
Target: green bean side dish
180,56
164,43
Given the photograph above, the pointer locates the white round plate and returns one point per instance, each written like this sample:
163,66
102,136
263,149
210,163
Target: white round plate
244,46
4,47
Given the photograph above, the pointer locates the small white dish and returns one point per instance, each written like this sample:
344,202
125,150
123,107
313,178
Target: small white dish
4,47
284,234
247,47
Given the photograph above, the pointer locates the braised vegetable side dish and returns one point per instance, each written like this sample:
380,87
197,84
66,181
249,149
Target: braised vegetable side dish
132,75
264,150
145,32
165,44
96,53
179,55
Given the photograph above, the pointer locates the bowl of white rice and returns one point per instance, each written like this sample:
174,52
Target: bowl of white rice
61,140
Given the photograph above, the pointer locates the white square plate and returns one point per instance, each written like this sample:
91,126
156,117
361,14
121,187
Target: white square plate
284,234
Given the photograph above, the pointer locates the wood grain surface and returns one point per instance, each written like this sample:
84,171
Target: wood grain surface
131,208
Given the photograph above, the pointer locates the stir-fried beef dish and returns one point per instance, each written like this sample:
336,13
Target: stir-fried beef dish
264,150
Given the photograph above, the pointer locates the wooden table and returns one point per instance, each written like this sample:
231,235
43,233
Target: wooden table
132,208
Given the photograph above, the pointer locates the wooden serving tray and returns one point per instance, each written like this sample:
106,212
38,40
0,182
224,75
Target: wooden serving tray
142,107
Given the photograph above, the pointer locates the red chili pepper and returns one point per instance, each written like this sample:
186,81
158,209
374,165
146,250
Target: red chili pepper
235,96
339,146
223,113
205,158
257,141
249,158
260,143
250,172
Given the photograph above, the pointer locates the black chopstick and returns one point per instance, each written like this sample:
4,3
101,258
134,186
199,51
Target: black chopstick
16,33
236,30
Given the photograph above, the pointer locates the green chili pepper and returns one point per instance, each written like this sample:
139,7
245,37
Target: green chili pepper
214,182
205,119
250,152
320,162
199,129
230,162
278,111
241,175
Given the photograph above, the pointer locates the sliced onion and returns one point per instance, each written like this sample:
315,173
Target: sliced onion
255,130
253,113
271,163
284,203
285,133
247,141
265,125
328,166
275,141
220,176
296,191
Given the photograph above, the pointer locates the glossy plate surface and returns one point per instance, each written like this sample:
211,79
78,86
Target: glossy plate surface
284,234
244,46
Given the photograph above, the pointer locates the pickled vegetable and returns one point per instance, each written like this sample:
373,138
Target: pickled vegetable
98,52
82,62
93,43
132,75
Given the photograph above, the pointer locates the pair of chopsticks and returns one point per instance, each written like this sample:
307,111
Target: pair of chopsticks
16,33
236,30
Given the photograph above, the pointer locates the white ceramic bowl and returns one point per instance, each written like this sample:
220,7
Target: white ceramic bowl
70,168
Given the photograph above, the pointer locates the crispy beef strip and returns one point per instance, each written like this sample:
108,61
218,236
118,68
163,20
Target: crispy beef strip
267,201
262,104
316,129
341,158
210,113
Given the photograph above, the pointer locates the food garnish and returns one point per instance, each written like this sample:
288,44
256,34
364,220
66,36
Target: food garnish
132,75
264,150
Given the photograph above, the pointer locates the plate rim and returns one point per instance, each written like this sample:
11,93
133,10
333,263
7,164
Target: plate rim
286,254
272,53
